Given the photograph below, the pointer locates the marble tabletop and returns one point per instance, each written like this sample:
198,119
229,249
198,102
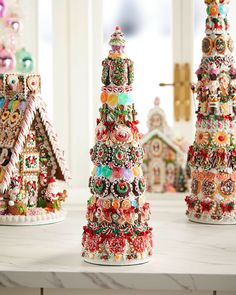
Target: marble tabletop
187,256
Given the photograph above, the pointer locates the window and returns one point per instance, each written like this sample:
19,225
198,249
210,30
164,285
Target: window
45,51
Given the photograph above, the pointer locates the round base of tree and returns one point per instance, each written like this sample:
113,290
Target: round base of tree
212,219
116,263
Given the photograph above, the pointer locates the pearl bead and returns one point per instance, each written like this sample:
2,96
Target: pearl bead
11,203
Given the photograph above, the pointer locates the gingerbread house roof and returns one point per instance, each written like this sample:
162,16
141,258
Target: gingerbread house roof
166,139
156,109
20,99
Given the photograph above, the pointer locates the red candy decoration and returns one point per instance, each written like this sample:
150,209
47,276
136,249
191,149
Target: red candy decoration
116,245
139,244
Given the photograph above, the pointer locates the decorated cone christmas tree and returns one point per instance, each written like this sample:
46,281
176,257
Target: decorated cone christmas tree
117,232
212,156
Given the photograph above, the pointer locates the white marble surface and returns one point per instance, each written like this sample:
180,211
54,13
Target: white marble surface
188,256
56,291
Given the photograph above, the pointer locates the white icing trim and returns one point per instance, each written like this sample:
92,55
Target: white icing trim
157,132
53,139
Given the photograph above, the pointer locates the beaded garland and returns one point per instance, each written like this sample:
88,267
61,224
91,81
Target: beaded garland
212,157
117,232
120,189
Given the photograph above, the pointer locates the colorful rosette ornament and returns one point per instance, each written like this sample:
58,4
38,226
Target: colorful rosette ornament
117,232
212,156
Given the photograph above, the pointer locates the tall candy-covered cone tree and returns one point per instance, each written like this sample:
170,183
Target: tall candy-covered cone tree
212,156
117,232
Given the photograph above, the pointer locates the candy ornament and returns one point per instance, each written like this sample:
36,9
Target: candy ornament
2,101
14,23
223,10
12,81
24,61
7,60
12,57
214,10
122,134
112,100
101,132
3,8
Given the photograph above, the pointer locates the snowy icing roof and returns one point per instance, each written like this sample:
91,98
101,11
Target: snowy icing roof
156,110
167,140
20,99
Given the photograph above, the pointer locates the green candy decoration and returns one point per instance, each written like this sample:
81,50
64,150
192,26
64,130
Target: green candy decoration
24,61
41,203
119,75
10,105
131,73
105,72
123,189
99,187
122,98
106,171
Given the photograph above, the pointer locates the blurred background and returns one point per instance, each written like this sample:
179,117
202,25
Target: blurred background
68,40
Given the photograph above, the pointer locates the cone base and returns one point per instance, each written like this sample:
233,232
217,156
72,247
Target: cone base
116,263
206,219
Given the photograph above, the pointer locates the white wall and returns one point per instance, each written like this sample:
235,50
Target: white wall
77,32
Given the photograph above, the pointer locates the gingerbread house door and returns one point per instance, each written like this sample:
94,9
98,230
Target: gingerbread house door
157,175
170,176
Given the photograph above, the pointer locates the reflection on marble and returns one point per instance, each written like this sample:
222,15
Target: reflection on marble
188,256
25,291
118,292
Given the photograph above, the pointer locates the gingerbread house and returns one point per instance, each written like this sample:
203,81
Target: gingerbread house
31,161
164,154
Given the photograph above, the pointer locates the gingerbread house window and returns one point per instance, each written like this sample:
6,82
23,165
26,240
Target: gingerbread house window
30,162
31,139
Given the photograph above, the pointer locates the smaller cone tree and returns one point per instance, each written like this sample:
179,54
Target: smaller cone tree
117,232
212,157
